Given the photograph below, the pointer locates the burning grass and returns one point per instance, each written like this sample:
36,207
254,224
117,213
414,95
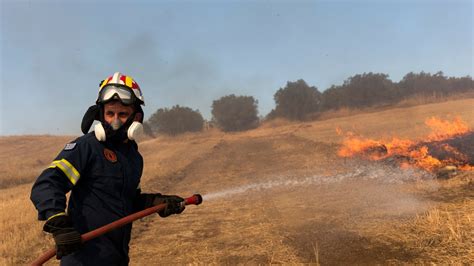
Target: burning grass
418,153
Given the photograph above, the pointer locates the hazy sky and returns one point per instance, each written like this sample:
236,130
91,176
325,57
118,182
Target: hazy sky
55,53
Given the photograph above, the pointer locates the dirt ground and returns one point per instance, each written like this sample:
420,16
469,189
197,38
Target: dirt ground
276,194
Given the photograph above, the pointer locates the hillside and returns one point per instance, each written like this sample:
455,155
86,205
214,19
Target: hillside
276,194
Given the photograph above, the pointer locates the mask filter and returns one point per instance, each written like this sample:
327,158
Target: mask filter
99,131
135,130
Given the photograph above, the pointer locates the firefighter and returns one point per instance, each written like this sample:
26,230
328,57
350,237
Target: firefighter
102,169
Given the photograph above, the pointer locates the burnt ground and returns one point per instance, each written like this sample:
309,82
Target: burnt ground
463,144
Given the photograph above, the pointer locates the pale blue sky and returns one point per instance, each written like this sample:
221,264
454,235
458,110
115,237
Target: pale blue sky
55,53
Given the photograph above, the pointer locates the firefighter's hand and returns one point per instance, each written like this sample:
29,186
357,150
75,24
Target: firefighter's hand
67,239
174,204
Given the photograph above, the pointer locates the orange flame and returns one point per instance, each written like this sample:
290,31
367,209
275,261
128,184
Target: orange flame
443,129
412,153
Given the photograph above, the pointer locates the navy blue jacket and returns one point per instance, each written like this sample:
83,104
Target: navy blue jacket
104,179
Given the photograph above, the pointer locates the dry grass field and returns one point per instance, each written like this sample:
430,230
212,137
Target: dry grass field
276,194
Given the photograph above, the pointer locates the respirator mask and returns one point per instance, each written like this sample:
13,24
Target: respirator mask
118,132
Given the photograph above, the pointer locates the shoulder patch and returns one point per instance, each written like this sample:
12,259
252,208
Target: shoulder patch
70,146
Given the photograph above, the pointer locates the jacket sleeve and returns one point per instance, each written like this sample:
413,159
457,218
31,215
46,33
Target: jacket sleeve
49,191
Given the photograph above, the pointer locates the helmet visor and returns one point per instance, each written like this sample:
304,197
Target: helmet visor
112,92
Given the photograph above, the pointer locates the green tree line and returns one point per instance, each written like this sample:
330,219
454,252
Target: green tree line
298,100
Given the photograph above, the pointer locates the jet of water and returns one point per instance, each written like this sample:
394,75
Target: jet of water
369,171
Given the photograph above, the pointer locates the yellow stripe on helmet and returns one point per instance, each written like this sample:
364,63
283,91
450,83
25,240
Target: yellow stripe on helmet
128,81
104,82
68,169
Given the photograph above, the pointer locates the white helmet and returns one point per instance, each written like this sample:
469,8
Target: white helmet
121,87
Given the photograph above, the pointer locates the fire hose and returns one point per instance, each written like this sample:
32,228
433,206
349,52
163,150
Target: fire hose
196,199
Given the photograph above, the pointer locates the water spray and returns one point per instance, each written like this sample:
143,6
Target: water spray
366,171
196,199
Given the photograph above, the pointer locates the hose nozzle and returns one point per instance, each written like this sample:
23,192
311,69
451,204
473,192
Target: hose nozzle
195,199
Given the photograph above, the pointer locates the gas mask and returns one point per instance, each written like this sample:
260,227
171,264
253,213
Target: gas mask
116,131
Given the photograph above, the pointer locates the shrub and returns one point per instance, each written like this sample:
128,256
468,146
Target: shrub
235,113
296,101
176,120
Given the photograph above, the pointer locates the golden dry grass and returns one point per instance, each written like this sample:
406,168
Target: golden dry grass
441,232
23,157
20,229
347,222
444,233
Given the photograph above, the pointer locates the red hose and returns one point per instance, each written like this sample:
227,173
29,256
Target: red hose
196,199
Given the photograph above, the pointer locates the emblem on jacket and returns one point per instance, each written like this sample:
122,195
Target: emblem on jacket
110,155
70,146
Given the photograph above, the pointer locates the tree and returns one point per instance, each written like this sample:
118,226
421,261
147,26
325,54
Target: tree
438,84
422,84
333,98
235,113
176,120
296,100
369,89
462,84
